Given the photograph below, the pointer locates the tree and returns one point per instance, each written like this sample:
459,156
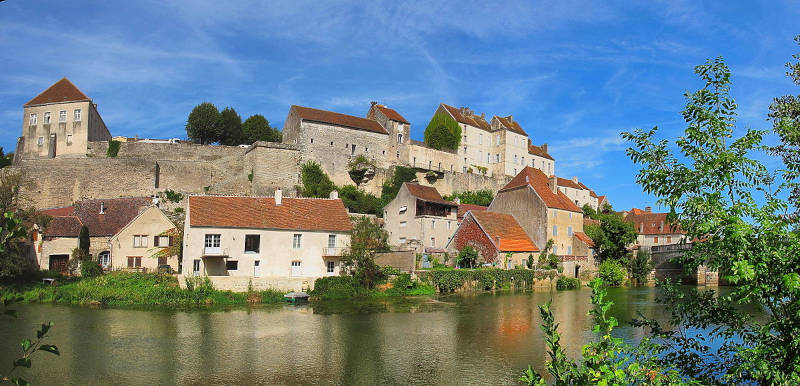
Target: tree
257,128
785,115
203,124
476,197
366,238
230,127
5,159
83,239
315,182
710,187
467,257
612,236
589,211
640,265
357,201
548,259
392,185
443,132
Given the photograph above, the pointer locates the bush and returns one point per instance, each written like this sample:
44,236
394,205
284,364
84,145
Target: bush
476,197
449,280
90,268
612,273
567,283
357,201
113,148
337,287
315,182
443,132
640,265
467,257
173,196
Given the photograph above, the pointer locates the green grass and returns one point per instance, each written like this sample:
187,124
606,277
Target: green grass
134,289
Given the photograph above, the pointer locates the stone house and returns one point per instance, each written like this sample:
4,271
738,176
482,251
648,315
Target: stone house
578,192
477,148
135,245
104,218
546,213
495,236
271,241
399,130
420,219
60,121
653,228
512,144
540,159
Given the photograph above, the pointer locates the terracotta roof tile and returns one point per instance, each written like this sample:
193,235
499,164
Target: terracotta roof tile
506,229
427,193
510,124
392,114
568,183
592,193
538,151
314,214
349,121
585,238
540,183
471,119
61,91
464,208
64,226
63,211
647,223
117,212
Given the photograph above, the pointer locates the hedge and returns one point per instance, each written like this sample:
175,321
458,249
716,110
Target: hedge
490,278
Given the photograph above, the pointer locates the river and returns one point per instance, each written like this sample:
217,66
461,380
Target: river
486,338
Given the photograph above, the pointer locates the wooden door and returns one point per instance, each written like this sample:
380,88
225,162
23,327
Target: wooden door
59,263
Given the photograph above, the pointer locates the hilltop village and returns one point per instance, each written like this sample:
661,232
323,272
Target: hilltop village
239,214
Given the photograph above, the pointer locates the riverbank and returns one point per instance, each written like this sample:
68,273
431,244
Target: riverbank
122,289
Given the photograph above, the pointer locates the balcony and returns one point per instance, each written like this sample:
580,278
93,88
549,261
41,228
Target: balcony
333,251
215,252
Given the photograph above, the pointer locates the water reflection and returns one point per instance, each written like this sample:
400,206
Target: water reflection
455,339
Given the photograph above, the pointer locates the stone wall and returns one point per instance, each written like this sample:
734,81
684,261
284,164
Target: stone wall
405,261
242,283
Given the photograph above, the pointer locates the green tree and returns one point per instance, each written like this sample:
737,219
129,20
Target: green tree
476,197
257,128
230,127
357,201
548,259
392,185
203,125
640,265
367,237
315,182
467,257
612,236
5,159
83,239
709,186
785,115
443,132
589,211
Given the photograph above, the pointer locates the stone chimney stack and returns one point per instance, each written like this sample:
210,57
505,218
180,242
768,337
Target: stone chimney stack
575,179
553,184
648,209
510,118
278,197
544,147
334,194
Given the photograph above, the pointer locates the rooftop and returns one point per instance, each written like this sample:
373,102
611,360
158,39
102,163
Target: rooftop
427,193
349,121
467,117
59,92
504,231
391,114
536,179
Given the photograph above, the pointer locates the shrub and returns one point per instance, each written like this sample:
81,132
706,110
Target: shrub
467,257
443,132
448,280
476,197
337,287
315,182
90,268
113,148
612,273
568,283
173,196
640,265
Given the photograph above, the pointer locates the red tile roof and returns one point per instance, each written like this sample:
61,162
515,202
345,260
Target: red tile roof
61,91
540,183
647,223
469,119
505,229
312,214
585,238
464,208
538,151
392,114
427,193
510,124
64,226
349,121
593,194
568,183
63,211
600,199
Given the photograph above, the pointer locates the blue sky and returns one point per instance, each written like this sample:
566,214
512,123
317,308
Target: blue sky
574,74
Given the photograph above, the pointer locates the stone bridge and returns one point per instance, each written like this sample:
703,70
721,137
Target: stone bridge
664,267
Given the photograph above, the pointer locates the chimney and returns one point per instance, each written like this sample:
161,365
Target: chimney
510,118
334,194
102,207
648,209
483,115
575,179
278,197
553,184
544,147
155,200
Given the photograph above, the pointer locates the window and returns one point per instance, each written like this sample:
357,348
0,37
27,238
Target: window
331,241
232,265
488,158
134,261
62,116
140,241
366,149
399,138
569,250
312,140
196,266
69,139
497,158
77,113
433,224
296,268
403,209
522,162
429,164
297,241
40,142
497,139
32,120
655,239
465,139
433,241
252,243
383,152
440,166
162,261
161,241
555,230
449,224
398,155
331,266
352,149
212,241
569,231
331,143
480,139
402,224
465,150
669,240
570,213
46,118
515,159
